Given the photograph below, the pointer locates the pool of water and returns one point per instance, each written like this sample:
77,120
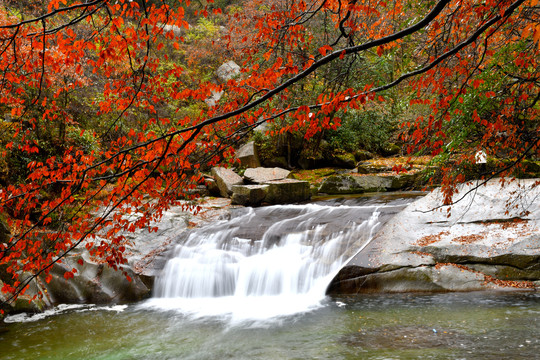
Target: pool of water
398,326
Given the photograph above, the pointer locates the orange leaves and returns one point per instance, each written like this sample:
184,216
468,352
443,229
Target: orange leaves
323,50
69,274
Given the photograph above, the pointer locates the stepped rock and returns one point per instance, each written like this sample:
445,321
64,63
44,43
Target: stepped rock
478,247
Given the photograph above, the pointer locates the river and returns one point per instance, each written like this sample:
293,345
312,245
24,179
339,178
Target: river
253,287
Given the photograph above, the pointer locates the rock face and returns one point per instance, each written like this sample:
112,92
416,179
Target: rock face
249,195
287,191
349,184
248,155
262,175
225,179
94,283
478,247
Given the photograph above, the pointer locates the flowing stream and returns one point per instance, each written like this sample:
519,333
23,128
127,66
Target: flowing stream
269,262
253,287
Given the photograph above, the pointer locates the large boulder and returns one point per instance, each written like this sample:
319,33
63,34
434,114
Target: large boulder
489,240
225,179
248,195
287,191
94,283
248,155
262,175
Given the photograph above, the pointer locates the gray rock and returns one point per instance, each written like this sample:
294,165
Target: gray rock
403,181
340,184
477,246
372,183
262,127
349,184
214,98
262,175
249,195
94,283
287,191
227,71
225,179
177,31
248,155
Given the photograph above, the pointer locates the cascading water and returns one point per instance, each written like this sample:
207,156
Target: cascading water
267,262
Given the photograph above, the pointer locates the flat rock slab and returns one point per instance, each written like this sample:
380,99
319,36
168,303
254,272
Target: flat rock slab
262,175
489,240
225,179
287,191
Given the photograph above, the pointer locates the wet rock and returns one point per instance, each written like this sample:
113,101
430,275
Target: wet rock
261,175
248,155
483,244
225,179
249,195
287,191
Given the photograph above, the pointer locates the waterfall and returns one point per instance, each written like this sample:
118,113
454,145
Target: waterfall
266,262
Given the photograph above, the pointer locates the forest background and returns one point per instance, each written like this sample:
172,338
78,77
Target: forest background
105,104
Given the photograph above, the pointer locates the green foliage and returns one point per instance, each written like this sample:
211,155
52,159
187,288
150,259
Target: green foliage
205,29
369,130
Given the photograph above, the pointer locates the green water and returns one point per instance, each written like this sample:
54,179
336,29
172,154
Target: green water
404,326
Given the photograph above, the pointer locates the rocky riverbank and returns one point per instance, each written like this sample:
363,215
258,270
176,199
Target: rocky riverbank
489,240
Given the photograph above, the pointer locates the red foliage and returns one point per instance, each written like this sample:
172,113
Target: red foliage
142,171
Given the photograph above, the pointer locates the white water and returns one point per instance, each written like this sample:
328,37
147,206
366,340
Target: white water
264,263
